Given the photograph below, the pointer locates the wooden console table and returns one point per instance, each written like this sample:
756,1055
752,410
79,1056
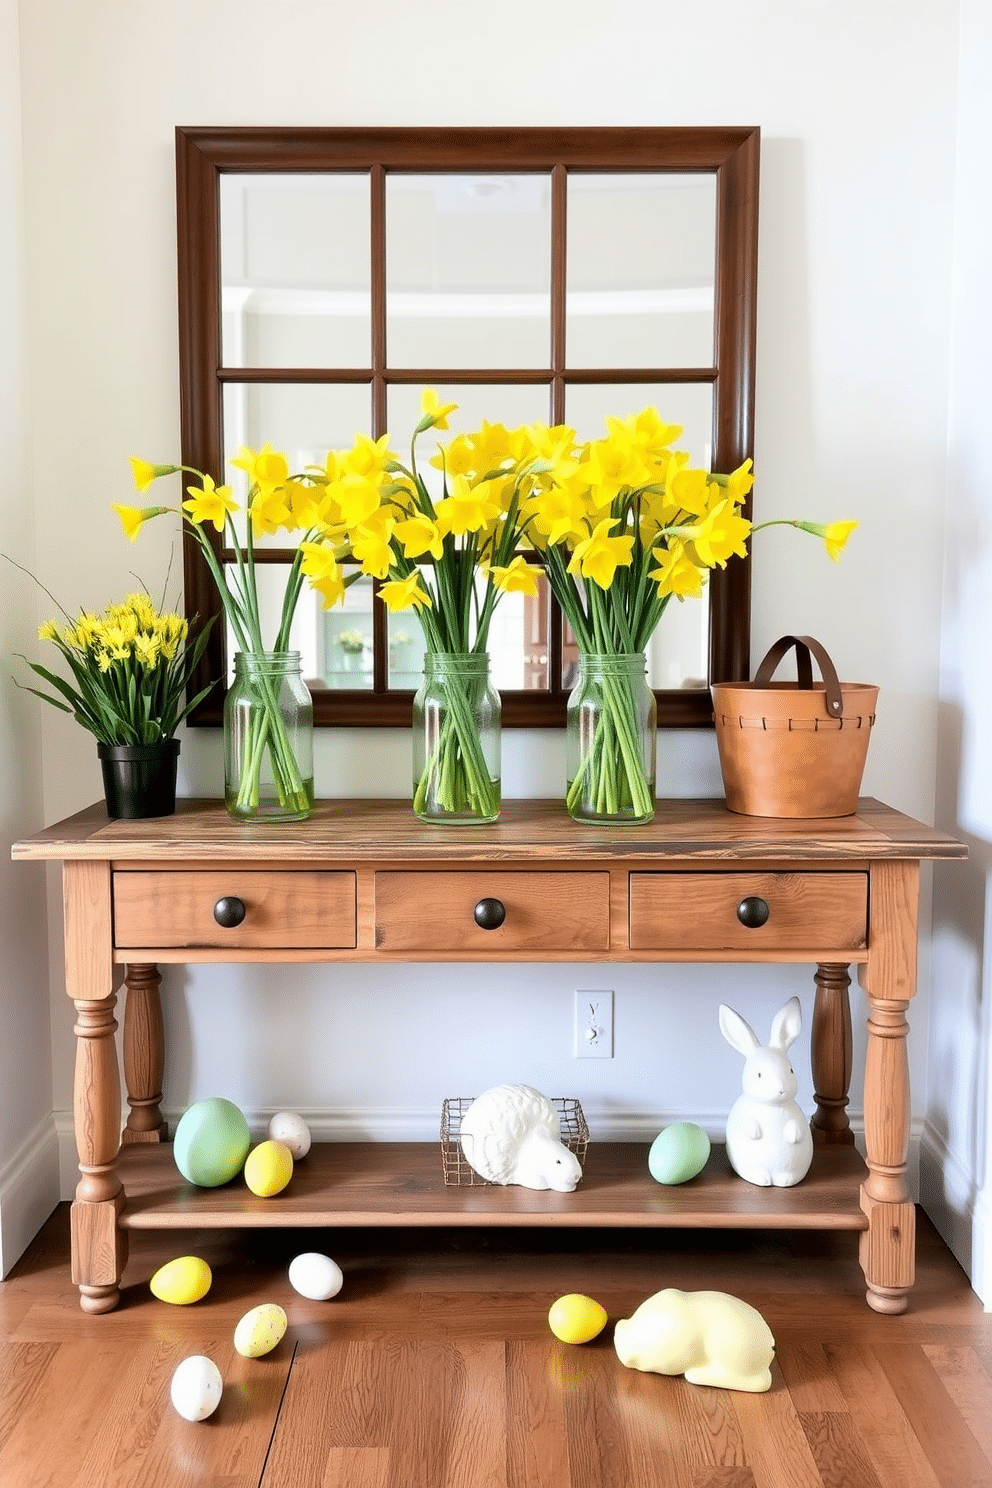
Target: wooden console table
365,881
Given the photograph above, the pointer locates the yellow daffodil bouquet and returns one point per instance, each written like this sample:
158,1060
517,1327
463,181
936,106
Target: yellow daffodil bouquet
448,556
128,667
622,525
277,499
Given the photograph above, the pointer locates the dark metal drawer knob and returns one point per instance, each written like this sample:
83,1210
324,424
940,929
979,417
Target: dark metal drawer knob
753,912
229,911
490,914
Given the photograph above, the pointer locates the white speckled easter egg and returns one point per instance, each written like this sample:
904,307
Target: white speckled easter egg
268,1168
184,1280
292,1131
678,1153
260,1330
315,1275
196,1388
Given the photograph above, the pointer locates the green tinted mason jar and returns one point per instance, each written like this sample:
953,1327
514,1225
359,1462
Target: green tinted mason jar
611,740
268,739
456,740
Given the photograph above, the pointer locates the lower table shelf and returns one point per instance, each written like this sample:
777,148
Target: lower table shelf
400,1184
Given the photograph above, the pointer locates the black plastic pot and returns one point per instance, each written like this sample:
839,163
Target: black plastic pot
139,780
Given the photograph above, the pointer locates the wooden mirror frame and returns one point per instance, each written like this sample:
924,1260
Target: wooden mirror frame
730,154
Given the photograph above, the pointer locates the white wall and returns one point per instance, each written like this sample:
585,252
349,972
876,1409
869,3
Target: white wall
857,108
28,1173
955,1170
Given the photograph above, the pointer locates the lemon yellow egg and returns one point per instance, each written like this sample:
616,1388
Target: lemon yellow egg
184,1280
260,1330
268,1168
575,1318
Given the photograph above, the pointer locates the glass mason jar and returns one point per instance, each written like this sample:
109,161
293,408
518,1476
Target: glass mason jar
456,740
268,739
610,743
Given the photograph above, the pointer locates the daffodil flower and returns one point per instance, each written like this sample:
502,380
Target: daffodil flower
599,556
265,468
209,503
466,509
134,517
515,577
402,594
435,413
367,458
676,574
145,473
269,511
722,532
419,535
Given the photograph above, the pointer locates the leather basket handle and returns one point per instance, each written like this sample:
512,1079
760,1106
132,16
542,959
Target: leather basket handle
804,669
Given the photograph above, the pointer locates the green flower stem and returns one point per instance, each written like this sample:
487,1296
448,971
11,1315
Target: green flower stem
611,772
456,773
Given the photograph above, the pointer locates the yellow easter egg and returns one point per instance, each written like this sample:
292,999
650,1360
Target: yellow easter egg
184,1280
268,1168
575,1318
260,1330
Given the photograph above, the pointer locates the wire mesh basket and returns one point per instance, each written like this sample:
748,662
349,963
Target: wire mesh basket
458,1172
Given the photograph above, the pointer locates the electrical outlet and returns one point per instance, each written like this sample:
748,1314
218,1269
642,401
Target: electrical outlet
593,1025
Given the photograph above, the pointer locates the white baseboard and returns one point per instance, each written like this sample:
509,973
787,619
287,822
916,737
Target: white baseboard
961,1212
422,1124
29,1191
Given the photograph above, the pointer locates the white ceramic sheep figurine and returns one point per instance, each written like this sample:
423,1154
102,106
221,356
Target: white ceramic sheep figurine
510,1134
769,1141
710,1337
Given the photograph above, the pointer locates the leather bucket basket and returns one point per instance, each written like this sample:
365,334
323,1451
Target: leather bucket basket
793,749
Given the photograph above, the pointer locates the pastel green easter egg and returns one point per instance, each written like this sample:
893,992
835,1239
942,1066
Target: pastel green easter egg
211,1142
184,1280
678,1153
268,1168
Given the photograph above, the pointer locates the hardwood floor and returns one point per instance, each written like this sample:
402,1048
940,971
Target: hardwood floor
435,1368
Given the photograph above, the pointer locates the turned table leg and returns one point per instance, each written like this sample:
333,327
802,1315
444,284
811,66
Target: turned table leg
888,1246
144,1055
830,1051
99,1245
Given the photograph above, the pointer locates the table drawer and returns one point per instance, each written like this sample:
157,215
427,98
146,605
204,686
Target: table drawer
288,911
707,911
542,912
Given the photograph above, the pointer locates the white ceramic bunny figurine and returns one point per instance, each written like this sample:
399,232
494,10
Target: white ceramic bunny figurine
768,1137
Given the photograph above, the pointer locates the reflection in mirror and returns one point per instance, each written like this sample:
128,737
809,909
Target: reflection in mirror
295,270
641,270
468,270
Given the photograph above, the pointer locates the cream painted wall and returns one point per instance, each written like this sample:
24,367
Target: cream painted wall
28,1167
857,108
955,1172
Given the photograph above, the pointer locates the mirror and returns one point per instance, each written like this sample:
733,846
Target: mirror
326,276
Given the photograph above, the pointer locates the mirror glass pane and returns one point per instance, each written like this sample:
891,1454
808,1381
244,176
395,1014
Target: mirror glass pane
295,270
494,403
678,654
641,270
344,638
303,420
468,270
304,635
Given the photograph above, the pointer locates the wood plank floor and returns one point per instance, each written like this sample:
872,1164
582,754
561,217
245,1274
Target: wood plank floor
435,1368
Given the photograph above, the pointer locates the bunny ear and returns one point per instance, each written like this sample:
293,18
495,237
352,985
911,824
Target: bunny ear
738,1034
786,1025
